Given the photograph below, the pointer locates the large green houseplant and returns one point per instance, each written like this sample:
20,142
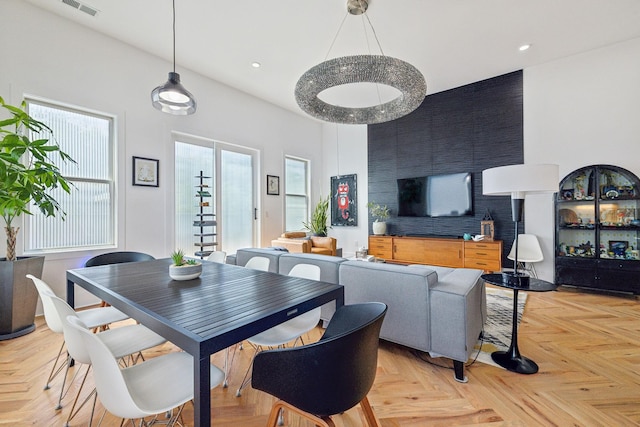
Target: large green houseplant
27,173
318,223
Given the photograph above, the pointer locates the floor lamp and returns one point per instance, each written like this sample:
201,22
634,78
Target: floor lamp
517,181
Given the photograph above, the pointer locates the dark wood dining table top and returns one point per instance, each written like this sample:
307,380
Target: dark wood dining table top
226,304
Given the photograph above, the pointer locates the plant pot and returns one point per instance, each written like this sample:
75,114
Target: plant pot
379,228
18,296
185,272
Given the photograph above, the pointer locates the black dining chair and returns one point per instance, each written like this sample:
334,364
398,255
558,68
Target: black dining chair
117,258
327,377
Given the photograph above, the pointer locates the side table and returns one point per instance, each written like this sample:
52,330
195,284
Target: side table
511,359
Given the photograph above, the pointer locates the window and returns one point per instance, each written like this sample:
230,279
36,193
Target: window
88,138
296,193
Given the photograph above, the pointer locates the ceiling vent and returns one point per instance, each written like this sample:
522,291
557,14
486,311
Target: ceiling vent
89,10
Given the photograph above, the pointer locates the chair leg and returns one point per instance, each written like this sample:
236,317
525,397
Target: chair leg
369,415
228,363
54,372
73,412
282,405
247,375
64,381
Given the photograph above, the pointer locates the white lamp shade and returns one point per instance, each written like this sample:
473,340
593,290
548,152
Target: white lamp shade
518,180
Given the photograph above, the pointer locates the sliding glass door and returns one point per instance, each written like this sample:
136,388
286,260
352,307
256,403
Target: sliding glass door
232,186
237,199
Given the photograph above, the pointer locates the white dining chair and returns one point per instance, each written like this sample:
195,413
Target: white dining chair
309,320
143,389
291,330
529,252
123,341
258,263
94,317
217,256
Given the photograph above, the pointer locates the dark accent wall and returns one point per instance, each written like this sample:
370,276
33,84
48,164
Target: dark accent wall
466,129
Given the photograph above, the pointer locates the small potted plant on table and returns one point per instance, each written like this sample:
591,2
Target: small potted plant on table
184,269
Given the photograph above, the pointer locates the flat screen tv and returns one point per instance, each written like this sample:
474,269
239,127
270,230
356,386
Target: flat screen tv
436,195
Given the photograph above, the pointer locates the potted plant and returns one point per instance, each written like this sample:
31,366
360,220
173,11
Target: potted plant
318,223
27,173
381,214
184,269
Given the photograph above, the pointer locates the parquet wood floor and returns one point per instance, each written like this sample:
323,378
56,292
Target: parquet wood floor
587,347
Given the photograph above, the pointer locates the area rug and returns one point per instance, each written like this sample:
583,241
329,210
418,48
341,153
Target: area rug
497,326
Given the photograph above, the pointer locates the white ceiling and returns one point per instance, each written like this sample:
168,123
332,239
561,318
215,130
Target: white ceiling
452,42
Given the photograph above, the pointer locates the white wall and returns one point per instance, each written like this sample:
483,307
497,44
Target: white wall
345,153
579,111
50,57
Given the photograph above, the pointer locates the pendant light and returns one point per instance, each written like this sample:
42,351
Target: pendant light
172,97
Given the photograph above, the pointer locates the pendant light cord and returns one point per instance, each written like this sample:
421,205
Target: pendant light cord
364,29
338,151
174,36
366,36
375,35
336,36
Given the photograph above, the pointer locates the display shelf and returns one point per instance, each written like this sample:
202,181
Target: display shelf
205,222
598,230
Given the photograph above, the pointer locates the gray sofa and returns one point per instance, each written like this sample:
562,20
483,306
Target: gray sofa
438,310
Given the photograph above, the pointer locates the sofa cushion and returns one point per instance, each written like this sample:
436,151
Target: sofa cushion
321,251
294,235
440,271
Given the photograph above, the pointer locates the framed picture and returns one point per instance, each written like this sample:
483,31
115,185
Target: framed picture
344,200
273,185
145,172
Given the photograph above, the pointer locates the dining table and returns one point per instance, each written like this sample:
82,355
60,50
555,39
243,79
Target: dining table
202,316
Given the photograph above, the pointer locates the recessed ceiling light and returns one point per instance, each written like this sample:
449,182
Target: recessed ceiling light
524,47
255,64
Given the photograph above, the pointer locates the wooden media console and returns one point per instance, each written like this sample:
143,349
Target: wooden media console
440,251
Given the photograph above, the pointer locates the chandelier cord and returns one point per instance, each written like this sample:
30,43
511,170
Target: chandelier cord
174,36
338,150
366,37
375,35
336,36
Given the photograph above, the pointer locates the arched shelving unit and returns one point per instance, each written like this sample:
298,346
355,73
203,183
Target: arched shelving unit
598,229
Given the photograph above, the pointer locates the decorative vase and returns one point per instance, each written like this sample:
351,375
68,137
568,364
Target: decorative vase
379,228
185,271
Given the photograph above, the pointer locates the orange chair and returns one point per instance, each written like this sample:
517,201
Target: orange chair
298,242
